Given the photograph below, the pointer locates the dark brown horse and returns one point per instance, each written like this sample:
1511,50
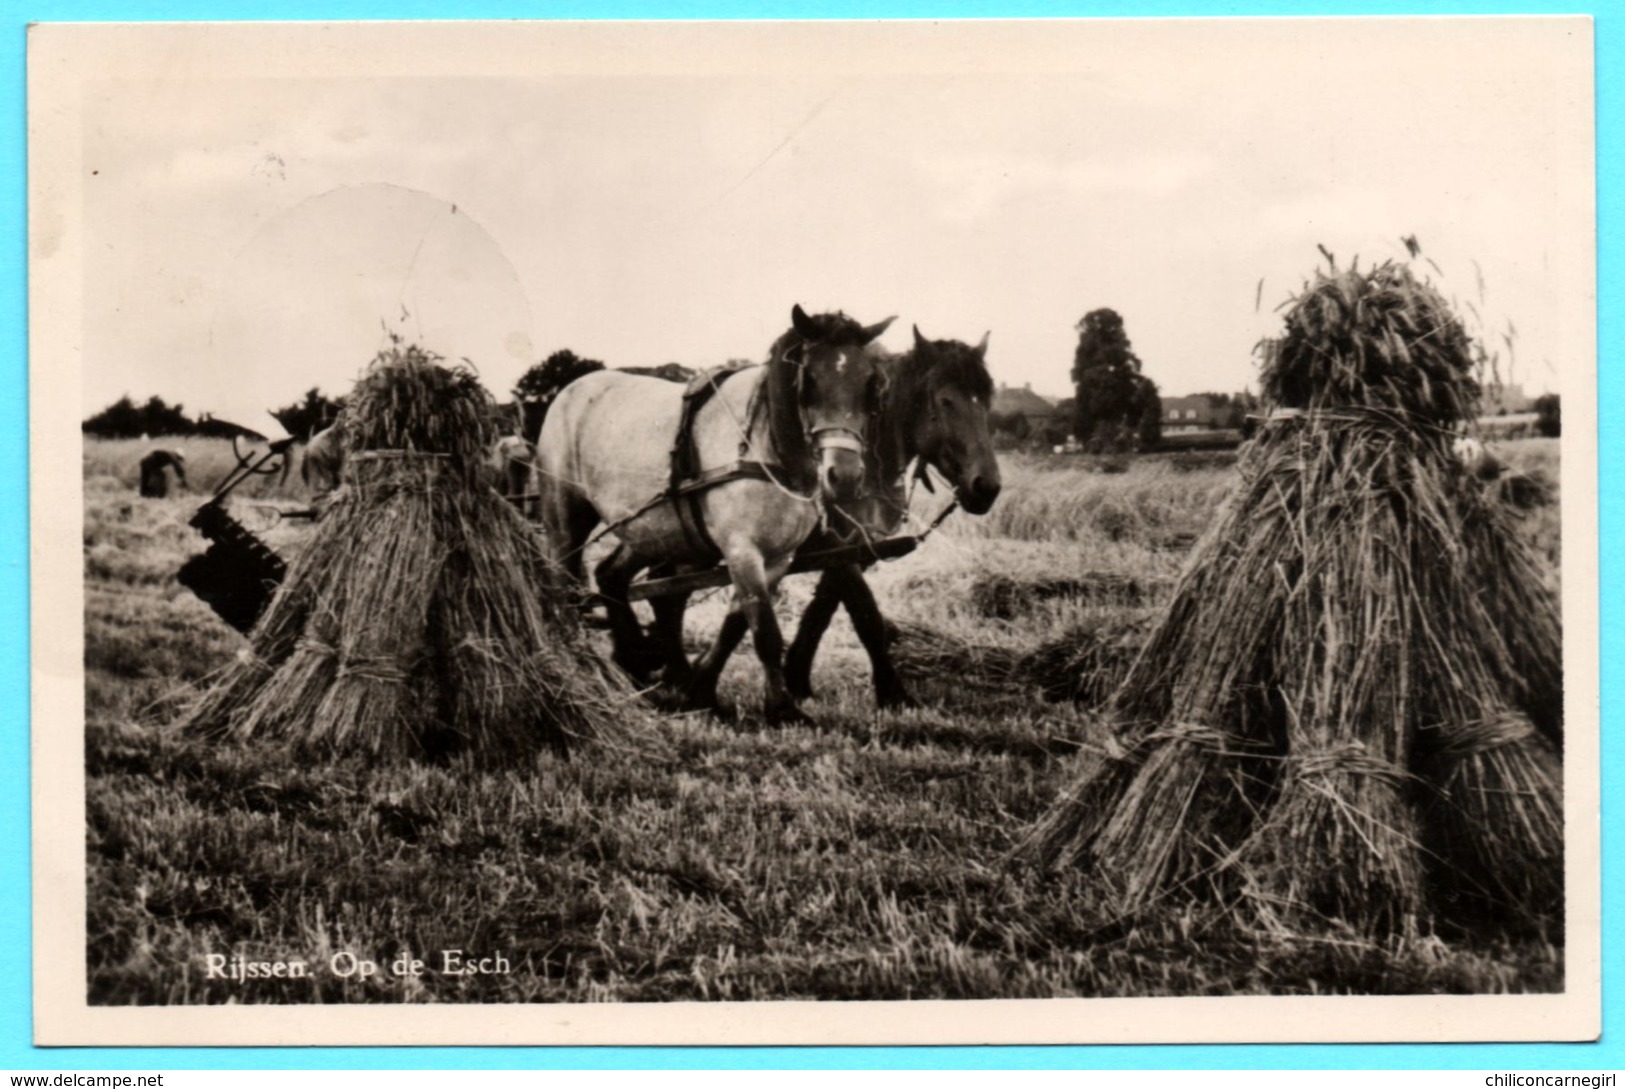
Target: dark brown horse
799,423
933,412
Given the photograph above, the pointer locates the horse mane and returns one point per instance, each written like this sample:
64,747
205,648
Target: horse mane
833,327
951,363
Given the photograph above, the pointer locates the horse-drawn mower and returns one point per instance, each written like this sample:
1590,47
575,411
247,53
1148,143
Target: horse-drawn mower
238,573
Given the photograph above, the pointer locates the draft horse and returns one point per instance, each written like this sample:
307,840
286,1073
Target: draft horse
762,450
933,415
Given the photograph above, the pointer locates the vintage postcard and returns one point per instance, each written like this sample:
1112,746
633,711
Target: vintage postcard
1049,531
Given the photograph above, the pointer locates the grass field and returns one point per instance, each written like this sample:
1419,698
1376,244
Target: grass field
867,856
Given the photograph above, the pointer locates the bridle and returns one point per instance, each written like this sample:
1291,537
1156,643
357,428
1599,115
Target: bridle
831,436
934,445
836,438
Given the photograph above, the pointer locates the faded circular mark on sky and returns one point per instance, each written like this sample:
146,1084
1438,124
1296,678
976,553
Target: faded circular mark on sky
318,290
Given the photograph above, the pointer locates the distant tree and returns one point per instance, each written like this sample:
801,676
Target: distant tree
1549,415
1112,393
1148,408
304,418
1055,430
165,419
542,382
1009,429
123,419
1059,429
119,420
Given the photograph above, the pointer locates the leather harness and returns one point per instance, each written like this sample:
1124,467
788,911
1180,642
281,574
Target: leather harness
688,480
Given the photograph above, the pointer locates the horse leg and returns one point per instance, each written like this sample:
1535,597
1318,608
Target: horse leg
701,692
754,586
870,626
814,622
633,651
668,631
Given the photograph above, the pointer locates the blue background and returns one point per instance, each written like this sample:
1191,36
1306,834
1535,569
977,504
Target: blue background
16,1032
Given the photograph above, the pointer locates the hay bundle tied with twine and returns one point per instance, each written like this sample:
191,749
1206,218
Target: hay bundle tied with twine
1352,708
424,616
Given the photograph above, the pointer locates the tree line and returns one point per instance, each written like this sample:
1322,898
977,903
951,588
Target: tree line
315,410
1116,407
124,419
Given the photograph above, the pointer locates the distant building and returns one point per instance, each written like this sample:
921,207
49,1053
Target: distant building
1207,412
1196,413
1505,400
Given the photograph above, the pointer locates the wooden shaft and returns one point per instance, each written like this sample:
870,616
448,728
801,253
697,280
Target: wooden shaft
889,549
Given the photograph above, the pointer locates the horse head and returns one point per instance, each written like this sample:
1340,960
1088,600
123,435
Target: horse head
947,405
836,392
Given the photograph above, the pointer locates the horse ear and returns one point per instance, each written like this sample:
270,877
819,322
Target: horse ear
870,332
919,341
981,349
804,326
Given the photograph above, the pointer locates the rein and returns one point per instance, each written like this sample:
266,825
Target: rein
948,508
745,468
762,399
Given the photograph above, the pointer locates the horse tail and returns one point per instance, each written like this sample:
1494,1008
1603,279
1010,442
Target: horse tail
565,513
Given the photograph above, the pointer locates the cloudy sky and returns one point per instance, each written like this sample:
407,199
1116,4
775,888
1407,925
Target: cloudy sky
260,206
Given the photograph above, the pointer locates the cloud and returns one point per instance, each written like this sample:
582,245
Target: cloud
970,186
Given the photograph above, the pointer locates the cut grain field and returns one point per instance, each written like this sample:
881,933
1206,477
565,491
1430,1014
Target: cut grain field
866,856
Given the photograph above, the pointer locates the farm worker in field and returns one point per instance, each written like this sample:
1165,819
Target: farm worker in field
322,463
155,478
1477,459
512,461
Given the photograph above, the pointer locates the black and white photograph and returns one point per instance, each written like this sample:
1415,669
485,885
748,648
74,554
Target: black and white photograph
857,532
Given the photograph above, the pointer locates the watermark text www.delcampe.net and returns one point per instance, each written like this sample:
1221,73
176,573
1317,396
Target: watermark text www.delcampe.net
90,1081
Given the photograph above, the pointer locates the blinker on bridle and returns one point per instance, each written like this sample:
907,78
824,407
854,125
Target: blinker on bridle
837,438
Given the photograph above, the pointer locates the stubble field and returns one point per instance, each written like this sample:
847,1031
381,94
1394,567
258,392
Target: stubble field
867,856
